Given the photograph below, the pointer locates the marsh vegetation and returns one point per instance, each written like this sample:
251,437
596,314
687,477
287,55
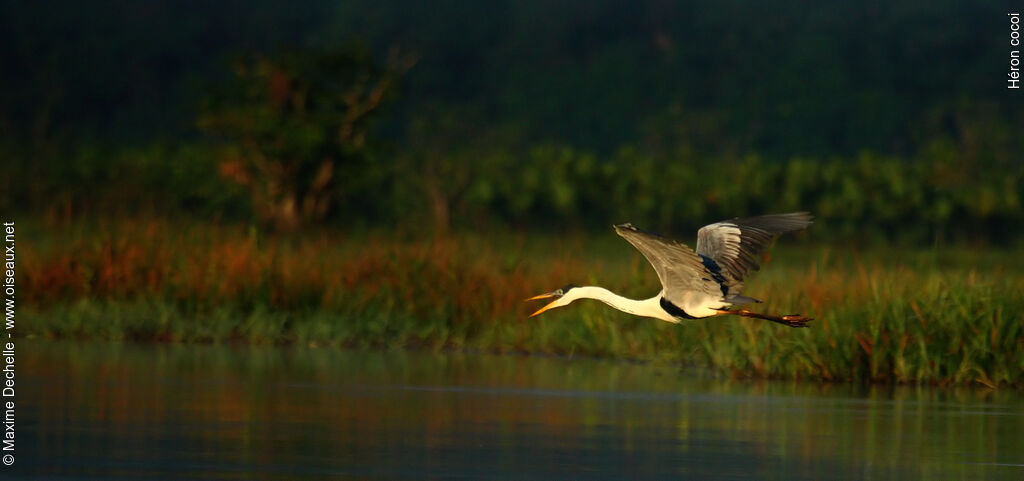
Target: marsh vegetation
938,316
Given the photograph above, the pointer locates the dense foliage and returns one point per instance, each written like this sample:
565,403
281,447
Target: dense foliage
936,197
886,121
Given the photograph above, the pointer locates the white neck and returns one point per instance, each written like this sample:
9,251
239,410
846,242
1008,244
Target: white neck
646,307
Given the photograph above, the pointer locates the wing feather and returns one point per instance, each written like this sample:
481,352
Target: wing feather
735,244
680,270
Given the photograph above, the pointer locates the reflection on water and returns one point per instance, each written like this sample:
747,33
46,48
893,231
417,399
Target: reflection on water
91,411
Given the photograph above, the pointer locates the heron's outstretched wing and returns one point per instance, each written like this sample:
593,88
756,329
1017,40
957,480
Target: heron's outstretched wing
680,270
734,244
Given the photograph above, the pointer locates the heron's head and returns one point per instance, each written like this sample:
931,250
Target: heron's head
562,297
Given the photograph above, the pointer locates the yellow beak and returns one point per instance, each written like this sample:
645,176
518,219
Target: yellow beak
542,296
549,306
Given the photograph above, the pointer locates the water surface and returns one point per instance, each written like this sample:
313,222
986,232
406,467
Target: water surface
89,411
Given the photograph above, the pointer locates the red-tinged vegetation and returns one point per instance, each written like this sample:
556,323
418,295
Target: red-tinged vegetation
885,317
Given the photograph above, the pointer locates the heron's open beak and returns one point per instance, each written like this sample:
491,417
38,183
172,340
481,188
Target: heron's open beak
547,295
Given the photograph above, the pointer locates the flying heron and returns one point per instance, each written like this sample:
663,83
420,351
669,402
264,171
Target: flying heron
700,284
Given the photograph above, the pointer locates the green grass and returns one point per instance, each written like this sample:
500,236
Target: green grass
892,316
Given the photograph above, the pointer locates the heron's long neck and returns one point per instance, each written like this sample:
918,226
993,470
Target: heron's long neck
644,307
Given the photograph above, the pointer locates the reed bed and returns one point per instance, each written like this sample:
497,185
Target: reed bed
889,316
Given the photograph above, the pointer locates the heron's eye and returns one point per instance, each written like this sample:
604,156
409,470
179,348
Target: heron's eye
558,292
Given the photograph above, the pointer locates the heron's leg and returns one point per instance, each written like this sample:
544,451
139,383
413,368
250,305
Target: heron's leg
791,320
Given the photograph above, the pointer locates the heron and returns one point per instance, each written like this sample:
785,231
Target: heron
696,284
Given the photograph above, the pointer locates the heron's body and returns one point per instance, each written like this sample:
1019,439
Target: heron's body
696,284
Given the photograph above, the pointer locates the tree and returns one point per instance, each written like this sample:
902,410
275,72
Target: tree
291,122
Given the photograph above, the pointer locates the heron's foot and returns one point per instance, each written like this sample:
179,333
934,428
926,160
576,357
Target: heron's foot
795,320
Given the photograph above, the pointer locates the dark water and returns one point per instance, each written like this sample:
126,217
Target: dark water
97,411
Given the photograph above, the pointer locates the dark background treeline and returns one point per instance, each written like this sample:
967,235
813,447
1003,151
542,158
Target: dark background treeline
888,121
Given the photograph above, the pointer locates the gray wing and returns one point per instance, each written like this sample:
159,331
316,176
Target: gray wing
734,244
680,270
